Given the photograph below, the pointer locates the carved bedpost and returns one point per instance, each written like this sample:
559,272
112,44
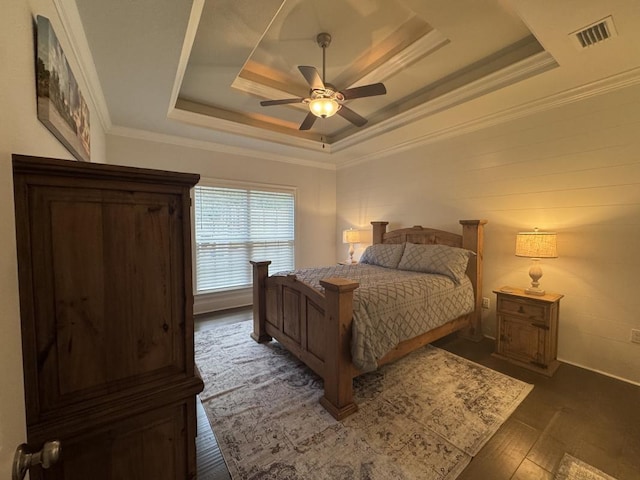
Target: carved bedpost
338,376
260,274
473,239
379,229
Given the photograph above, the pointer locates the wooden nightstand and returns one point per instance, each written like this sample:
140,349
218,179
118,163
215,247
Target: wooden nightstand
527,329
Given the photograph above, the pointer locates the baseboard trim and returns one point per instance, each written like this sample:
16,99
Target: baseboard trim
213,302
575,364
622,379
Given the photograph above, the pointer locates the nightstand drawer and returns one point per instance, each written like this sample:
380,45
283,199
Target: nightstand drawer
528,310
527,329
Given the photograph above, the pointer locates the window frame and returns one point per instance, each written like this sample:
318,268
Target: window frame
232,297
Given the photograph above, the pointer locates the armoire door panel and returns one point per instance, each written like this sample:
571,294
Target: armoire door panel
99,331
79,359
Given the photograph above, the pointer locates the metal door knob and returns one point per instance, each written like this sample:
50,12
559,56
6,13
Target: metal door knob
24,459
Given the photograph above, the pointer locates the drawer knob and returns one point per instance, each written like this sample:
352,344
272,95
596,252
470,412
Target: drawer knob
520,309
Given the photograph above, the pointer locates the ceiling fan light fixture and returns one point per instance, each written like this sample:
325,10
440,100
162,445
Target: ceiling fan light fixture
324,107
324,99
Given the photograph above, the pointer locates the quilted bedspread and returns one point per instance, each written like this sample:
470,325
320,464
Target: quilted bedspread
393,305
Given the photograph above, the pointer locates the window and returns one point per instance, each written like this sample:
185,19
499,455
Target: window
235,225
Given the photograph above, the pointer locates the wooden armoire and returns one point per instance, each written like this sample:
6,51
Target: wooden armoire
104,259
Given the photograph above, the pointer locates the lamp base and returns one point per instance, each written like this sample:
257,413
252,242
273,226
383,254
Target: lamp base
534,291
535,272
351,252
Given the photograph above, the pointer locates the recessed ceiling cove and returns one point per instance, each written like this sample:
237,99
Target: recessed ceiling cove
245,52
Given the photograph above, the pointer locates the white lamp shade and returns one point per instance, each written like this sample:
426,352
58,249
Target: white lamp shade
536,244
351,236
324,107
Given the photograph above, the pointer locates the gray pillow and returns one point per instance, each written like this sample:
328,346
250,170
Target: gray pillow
383,254
442,259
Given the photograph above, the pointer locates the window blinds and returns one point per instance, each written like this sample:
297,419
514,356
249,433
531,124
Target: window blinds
235,225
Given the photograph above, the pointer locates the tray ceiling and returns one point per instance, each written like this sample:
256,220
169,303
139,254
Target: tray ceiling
198,69
420,50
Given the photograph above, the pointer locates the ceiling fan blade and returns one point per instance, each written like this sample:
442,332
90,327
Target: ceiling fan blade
312,77
353,117
308,122
364,91
268,103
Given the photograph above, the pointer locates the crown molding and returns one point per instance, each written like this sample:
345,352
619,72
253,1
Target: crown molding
505,77
615,82
180,141
74,32
228,126
421,48
187,45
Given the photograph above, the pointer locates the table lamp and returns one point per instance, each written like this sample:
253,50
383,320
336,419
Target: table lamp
351,236
536,245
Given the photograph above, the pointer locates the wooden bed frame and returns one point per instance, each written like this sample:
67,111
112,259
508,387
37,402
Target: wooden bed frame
316,327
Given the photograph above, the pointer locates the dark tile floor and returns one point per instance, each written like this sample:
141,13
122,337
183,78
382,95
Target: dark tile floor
591,416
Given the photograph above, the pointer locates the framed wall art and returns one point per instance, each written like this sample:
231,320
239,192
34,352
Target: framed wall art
61,106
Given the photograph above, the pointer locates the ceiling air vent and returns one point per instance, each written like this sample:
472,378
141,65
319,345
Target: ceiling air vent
596,33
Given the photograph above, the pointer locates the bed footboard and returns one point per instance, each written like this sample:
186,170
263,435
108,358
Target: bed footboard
315,327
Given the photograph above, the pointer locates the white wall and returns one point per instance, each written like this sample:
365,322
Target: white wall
20,132
574,170
315,194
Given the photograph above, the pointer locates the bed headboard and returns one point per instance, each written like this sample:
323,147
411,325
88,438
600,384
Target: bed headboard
415,234
471,238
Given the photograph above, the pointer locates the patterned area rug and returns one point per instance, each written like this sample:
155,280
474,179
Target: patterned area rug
572,468
424,416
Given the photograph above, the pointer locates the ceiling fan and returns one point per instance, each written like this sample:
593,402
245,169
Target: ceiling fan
324,99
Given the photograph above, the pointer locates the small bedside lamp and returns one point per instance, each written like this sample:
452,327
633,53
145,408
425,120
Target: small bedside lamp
536,245
351,236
